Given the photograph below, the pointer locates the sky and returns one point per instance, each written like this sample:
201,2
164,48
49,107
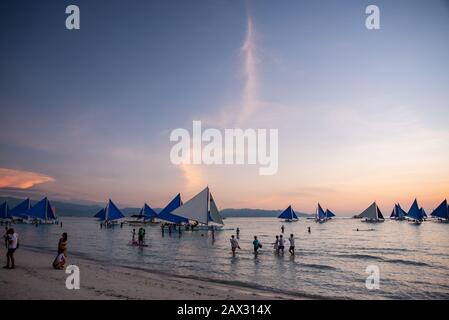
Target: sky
362,114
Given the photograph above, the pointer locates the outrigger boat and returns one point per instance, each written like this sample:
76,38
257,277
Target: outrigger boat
372,214
109,215
320,215
289,215
201,212
398,213
18,212
42,213
415,214
146,215
441,213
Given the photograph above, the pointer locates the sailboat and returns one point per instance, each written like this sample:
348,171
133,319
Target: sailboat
371,214
320,215
415,214
42,212
146,215
4,212
398,213
201,209
441,213
288,215
18,213
110,214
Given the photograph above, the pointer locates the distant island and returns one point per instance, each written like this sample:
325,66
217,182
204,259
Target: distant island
68,209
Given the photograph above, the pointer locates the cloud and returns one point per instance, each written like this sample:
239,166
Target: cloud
11,178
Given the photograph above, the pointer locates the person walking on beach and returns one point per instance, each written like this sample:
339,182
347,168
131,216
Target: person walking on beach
276,244
257,245
281,244
13,244
234,245
292,245
282,228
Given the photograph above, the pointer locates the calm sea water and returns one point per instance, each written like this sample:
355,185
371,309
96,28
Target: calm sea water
331,262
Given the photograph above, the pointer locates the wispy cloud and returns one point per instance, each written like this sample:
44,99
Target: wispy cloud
10,178
249,102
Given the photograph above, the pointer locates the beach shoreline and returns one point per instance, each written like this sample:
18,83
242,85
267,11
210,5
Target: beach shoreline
35,279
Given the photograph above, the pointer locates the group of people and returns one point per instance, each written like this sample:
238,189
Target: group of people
11,239
278,245
140,237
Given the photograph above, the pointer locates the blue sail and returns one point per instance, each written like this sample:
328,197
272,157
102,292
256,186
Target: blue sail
20,209
4,211
101,215
329,214
288,214
423,212
41,210
441,211
320,214
148,213
166,214
112,212
393,213
400,213
415,212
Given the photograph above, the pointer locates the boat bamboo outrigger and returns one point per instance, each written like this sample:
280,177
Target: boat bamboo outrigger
415,214
398,213
202,210
145,216
109,215
42,212
289,215
371,214
441,213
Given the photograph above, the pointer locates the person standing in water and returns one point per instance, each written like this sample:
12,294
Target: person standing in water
133,233
282,228
292,245
309,230
163,228
237,232
276,244
234,245
281,244
257,245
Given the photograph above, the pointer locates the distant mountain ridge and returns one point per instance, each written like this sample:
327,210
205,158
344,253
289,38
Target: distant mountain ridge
68,209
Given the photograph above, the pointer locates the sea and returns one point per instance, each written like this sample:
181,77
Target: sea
338,259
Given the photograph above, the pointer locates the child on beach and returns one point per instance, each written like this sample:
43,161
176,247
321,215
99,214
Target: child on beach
257,245
281,244
234,244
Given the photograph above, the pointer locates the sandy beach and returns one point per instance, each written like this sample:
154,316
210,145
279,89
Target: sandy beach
34,278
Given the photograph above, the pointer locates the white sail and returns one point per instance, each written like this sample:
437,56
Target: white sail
195,209
370,212
214,213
